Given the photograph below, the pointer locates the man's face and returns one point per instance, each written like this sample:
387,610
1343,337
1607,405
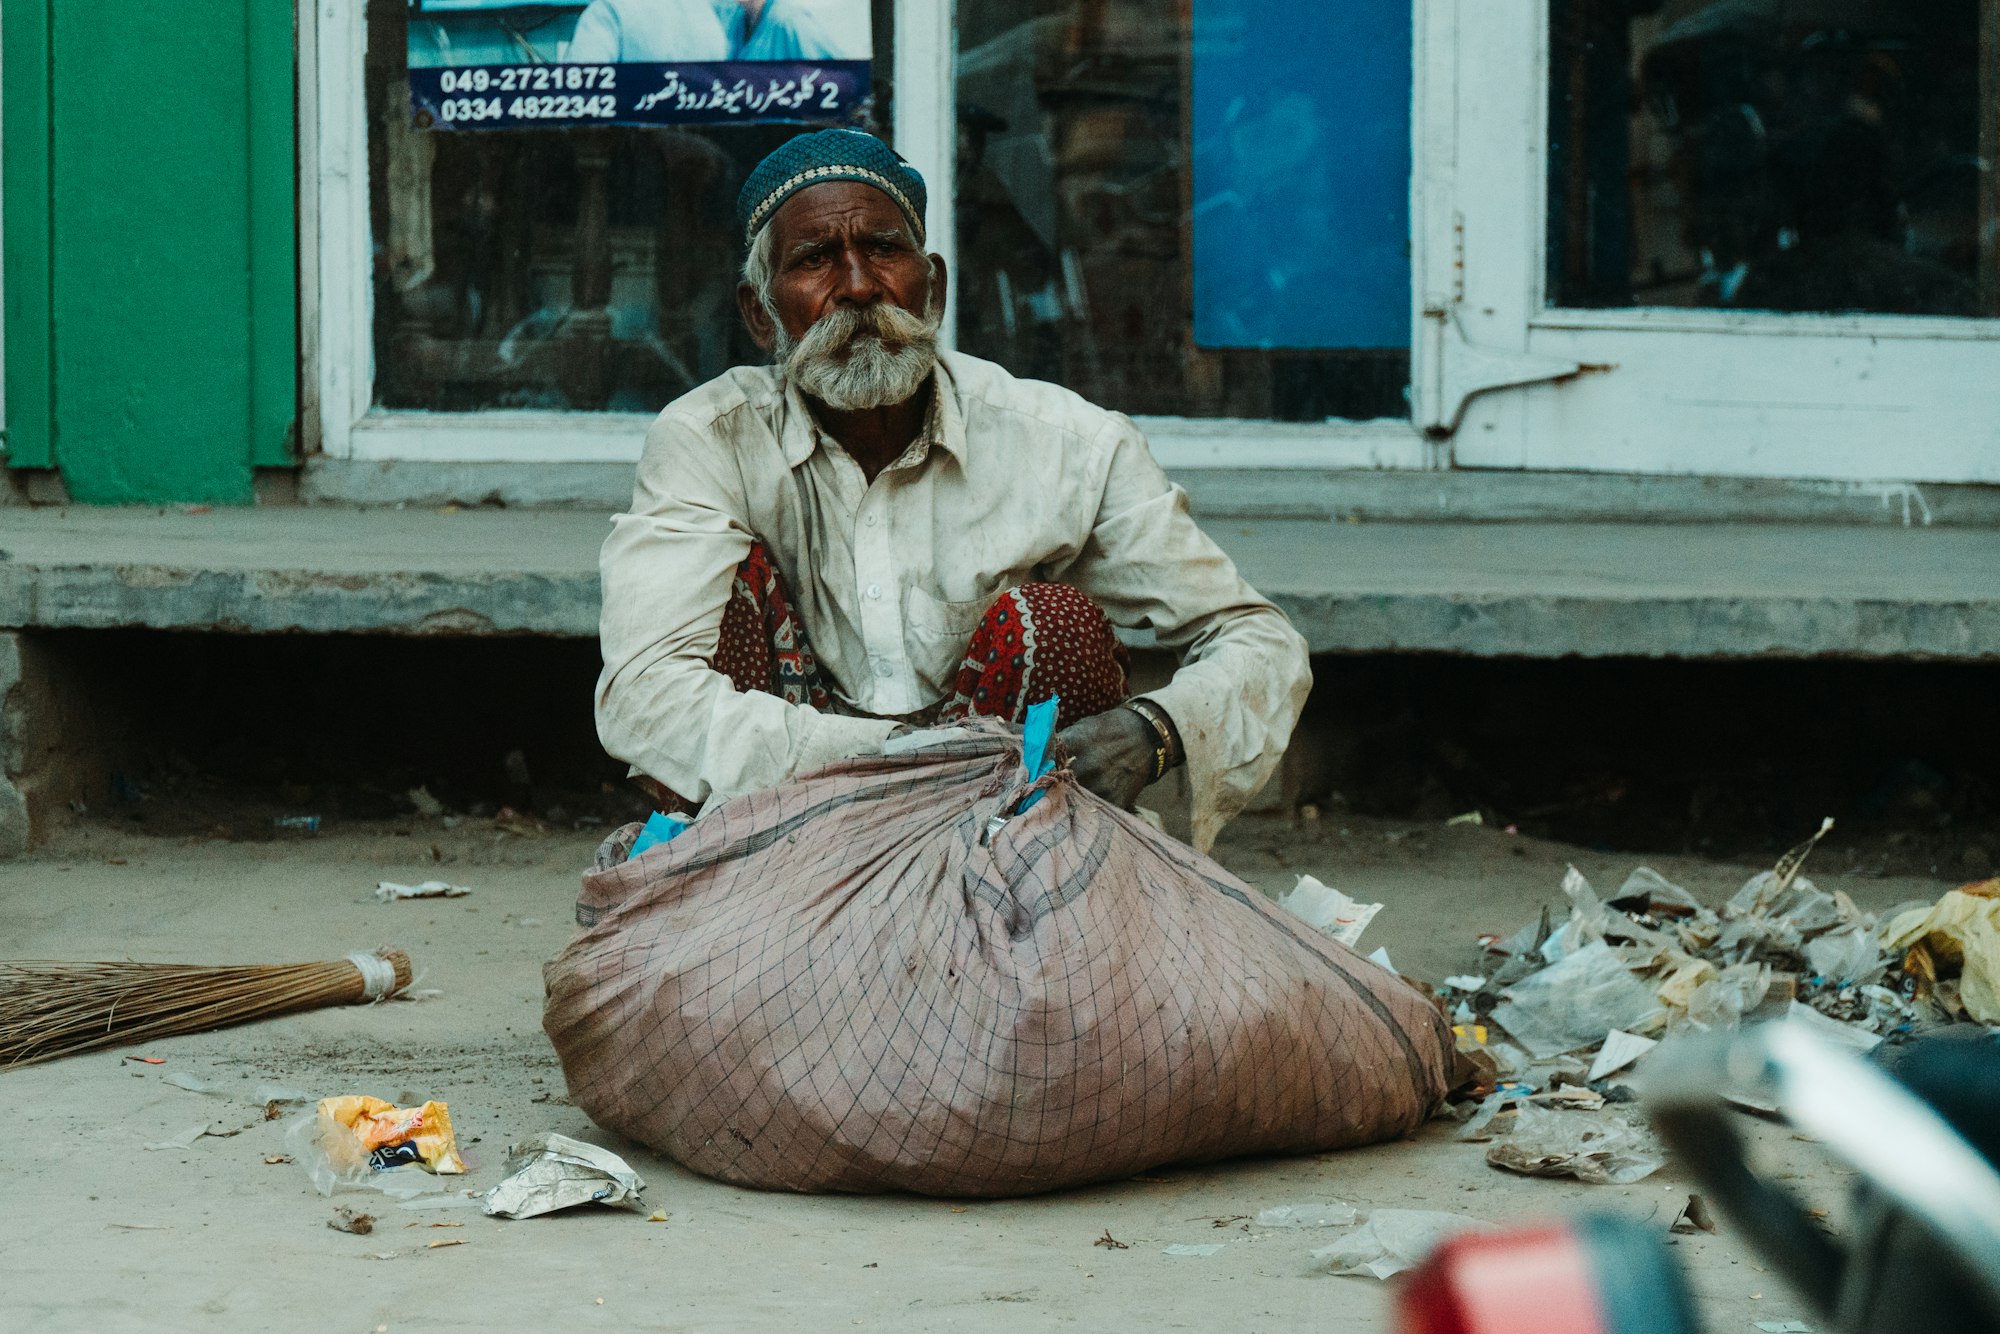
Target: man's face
843,244
854,305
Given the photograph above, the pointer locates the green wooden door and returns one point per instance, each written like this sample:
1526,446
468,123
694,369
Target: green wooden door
151,274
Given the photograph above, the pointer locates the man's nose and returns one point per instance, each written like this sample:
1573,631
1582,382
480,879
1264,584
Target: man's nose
858,284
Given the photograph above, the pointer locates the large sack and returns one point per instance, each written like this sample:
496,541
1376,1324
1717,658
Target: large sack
841,985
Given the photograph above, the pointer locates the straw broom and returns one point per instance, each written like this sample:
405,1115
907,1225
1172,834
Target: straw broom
50,1009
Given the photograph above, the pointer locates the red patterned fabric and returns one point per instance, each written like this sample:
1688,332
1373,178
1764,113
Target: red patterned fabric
1035,641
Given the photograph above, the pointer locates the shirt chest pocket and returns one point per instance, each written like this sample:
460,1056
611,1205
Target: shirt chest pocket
938,633
934,618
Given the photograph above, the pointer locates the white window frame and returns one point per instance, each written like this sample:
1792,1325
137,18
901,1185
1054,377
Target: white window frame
342,421
1513,383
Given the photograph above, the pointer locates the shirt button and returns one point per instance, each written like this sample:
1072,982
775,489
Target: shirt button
870,521
874,590
884,670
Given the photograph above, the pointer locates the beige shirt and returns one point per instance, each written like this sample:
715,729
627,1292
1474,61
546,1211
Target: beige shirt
1012,481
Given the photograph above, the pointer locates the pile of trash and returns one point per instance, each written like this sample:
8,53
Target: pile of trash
1564,1010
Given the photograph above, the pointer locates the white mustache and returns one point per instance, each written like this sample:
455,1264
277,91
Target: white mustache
859,357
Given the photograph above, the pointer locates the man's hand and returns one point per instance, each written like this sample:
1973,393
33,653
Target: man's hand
1112,754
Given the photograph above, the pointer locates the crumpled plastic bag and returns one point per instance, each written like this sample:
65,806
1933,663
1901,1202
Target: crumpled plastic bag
1959,933
355,1140
1849,957
1393,1240
1573,1004
1591,1146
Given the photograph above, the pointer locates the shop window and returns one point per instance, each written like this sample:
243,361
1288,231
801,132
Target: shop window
572,269
1826,156
1189,207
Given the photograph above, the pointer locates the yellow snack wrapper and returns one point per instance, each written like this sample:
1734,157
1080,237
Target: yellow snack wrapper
389,1136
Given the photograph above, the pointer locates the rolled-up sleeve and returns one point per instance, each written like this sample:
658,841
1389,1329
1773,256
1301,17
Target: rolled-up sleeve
1245,672
668,568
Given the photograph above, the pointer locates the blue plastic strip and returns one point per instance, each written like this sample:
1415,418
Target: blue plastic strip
1035,739
659,829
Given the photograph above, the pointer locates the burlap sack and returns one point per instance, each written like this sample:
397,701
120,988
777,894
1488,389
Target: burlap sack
845,985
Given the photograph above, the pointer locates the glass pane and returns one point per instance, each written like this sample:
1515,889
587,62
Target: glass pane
590,269
1188,207
1788,155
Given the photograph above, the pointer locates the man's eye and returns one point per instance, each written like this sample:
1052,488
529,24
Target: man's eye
810,262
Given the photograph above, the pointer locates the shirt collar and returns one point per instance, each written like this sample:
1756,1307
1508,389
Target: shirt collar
944,424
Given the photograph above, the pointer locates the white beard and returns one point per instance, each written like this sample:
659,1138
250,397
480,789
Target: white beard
862,357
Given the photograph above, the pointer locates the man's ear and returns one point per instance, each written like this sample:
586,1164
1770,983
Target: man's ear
940,282
755,318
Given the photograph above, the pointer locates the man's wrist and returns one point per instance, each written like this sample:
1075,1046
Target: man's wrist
1167,750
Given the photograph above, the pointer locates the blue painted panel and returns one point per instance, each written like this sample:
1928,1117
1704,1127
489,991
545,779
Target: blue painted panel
1302,173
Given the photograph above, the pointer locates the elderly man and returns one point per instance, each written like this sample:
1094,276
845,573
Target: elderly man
870,533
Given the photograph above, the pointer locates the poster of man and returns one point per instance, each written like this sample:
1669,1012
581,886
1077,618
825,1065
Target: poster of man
494,64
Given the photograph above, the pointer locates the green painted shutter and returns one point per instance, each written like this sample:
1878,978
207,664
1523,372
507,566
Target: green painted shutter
150,245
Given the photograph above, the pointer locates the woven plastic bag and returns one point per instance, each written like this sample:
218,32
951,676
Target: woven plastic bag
887,975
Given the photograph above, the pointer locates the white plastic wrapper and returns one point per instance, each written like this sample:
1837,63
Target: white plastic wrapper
1393,1240
1325,908
555,1172
1334,1214
1575,1003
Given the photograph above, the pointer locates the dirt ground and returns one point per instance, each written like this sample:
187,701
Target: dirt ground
98,1232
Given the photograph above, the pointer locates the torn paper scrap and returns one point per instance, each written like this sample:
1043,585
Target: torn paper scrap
1620,1050
388,891
1189,1248
1325,908
1393,1240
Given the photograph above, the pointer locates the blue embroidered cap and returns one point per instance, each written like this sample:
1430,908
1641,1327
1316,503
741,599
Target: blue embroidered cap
830,155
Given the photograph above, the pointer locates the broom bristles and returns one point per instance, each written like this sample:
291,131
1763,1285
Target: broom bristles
50,1008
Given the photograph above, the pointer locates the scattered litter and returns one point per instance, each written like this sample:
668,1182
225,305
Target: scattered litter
1335,1214
1325,908
1620,1050
1470,817
1380,958
1693,1217
137,1227
148,1060
1465,982
1110,1242
1956,938
1603,1151
305,824
1393,1240
1186,1248
459,1241
388,891
355,1140
1573,1003
555,1172
277,1099
424,803
273,1159
657,1216
347,1220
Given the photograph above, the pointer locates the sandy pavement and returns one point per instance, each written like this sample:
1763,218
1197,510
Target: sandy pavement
99,1233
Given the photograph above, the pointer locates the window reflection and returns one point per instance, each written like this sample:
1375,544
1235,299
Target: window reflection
1077,216
1787,155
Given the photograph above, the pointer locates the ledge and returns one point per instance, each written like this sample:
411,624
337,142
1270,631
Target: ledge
1536,590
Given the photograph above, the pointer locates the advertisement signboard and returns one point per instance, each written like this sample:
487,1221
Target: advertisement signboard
497,64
